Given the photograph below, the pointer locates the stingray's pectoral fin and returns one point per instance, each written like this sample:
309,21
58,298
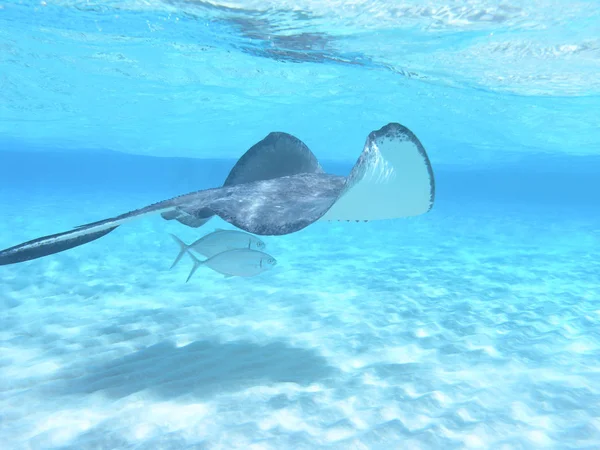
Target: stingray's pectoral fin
392,178
55,243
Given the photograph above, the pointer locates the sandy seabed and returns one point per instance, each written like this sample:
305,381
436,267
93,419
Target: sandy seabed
467,327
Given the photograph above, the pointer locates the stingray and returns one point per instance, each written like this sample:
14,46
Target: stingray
278,187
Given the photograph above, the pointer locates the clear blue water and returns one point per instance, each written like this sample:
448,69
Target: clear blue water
472,326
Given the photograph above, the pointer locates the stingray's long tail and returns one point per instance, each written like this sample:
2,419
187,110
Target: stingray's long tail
55,243
47,245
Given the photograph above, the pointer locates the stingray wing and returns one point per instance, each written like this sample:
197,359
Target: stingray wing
277,155
392,178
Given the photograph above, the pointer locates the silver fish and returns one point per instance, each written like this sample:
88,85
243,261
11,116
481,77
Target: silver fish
240,262
217,242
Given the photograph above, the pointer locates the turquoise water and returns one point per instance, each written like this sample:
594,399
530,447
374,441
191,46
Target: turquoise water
471,326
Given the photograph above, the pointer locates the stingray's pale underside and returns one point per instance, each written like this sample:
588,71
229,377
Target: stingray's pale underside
278,187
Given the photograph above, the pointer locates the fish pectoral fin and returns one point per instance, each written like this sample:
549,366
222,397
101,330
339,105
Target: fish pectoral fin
227,276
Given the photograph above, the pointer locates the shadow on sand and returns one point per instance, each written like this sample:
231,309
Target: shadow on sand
201,369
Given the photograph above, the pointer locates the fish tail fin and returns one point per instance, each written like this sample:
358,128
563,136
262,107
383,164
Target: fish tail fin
197,263
183,249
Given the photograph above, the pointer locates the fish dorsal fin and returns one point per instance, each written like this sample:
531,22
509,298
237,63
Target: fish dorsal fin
392,178
277,155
